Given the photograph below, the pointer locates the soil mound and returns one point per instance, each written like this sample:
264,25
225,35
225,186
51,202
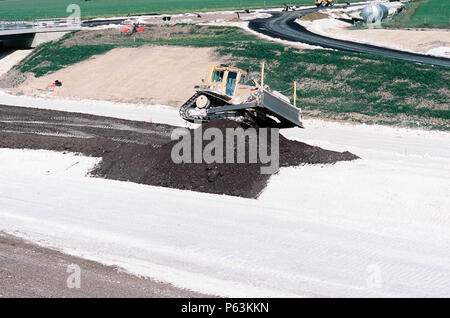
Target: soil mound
156,167
142,152
314,16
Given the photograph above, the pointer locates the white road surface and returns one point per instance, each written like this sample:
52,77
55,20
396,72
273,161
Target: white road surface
379,226
9,58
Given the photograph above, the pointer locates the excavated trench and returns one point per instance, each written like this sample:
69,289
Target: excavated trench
141,152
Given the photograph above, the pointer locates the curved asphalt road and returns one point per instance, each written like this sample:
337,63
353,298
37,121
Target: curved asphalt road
283,26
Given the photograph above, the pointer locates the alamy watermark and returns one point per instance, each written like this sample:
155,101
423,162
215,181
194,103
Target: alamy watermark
374,279
75,14
74,278
229,147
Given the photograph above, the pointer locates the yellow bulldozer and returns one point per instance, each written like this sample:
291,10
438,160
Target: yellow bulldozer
228,92
324,3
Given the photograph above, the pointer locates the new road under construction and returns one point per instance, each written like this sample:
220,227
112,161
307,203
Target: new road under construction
242,153
283,26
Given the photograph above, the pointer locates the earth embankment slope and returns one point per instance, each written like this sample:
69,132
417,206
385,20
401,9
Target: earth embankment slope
147,74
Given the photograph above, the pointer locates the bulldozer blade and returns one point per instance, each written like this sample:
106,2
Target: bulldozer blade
281,109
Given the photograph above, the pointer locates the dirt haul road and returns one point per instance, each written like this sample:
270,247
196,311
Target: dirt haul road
28,270
428,41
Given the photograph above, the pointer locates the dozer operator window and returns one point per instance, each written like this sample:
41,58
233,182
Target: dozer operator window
231,83
218,76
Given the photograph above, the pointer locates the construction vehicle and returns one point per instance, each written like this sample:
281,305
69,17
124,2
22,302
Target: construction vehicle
132,29
324,3
226,94
287,8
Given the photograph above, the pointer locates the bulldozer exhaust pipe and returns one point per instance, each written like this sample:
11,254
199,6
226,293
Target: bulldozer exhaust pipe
262,74
295,93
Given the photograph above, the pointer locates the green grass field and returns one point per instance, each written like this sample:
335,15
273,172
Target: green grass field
432,12
32,9
332,84
423,14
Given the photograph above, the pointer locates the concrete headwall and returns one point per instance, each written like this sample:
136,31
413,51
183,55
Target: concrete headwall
40,38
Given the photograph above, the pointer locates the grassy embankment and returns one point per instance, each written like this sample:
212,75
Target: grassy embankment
332,84
423,14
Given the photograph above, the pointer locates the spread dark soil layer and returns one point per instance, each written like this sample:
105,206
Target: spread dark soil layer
141,152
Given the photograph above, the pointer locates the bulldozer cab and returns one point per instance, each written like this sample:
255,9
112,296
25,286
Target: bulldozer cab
225,80
323,3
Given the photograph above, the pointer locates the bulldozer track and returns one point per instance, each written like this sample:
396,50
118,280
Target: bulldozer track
215,100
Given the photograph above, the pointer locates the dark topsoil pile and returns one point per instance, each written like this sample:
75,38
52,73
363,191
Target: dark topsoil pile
152,164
